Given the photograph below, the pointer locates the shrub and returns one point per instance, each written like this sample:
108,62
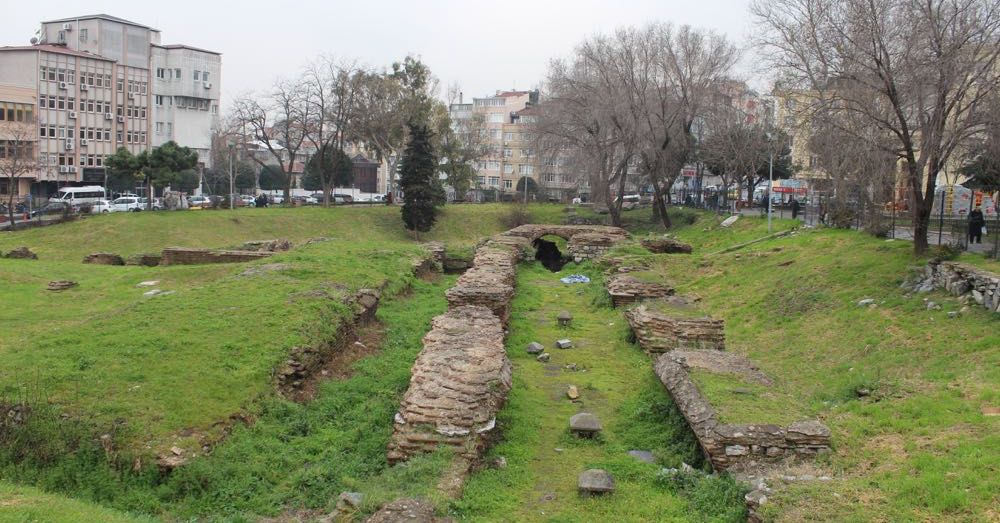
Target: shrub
518,215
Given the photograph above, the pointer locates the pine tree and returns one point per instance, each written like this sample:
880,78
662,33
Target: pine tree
417,172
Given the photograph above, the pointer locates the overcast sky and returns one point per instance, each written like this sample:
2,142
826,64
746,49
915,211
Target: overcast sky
482,46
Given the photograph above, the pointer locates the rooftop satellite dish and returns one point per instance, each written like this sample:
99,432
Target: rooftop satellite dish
34,40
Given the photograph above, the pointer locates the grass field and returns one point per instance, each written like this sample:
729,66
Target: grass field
917,446
160,372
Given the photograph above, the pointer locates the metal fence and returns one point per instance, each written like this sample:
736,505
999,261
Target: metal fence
885,215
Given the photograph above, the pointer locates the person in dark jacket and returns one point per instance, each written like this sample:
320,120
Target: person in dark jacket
976,224
795,208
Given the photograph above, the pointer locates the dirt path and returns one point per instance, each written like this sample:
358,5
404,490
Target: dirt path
615,383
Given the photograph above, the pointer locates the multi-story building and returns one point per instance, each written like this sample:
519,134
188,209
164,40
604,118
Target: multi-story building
90,83
513,155
185,97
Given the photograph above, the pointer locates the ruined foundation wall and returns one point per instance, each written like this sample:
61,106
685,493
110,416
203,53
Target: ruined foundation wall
960,279
658,332
459,382
184,256
742,446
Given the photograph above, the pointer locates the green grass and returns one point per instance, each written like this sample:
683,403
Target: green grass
293,457
19,504
617,385
916,447
132,233
148,371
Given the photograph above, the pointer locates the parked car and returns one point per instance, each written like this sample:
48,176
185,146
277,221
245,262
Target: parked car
304,200
128,203
343,198
276,198
248,200
199,202
53,207
101,207
157,203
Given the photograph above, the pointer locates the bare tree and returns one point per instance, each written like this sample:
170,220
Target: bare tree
918,71
279,122
17,159
580,123
636,94
333,89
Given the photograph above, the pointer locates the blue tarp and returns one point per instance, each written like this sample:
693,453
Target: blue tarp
575,278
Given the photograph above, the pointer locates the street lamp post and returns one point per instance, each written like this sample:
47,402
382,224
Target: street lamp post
770,186
231,181
770,179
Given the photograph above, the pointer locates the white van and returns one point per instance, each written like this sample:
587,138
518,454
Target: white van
79,195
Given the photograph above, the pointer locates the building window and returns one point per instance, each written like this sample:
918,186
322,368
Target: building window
83,35
204,75
159,99
495,118
508,169
161,72
196,75
494,180
482,180
121,85
508,136
508,152
526,169
159,127
177,74
506,184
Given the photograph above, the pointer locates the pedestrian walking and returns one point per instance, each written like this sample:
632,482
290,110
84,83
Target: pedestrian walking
795,208
976,225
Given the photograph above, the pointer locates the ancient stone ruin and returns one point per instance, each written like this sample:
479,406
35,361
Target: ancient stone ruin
665,245
60,285
626,288
585,242
21,253
671,324
104,258
962,279
458,384
407,511
185,256
736,446
277,245
304,361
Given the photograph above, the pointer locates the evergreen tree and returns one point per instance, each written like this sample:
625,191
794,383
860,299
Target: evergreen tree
417,179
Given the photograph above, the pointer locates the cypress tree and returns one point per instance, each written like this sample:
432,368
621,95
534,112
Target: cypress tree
417,172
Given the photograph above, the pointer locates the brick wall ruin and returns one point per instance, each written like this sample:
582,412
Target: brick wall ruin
742,446
963,279
186,256
458,384
658,332
626,289
305,361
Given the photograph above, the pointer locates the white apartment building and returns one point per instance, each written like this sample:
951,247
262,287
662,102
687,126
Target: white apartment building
186,97
89,82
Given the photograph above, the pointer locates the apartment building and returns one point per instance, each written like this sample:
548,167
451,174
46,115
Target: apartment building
89,84
185,97
513,155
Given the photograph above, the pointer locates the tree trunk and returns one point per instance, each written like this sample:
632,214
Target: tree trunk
288,182
10,202
659,206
